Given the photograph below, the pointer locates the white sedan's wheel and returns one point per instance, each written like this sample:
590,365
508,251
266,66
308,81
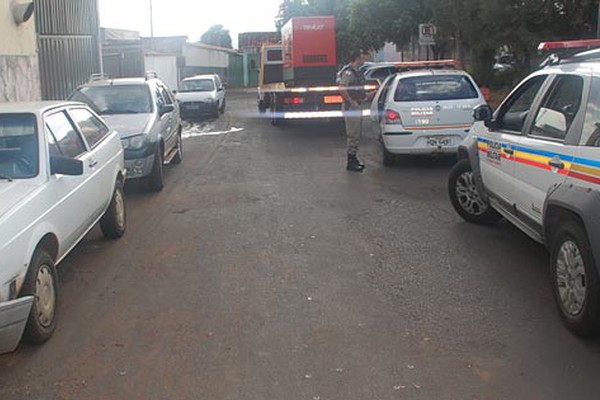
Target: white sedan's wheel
114,221
45,296
41,282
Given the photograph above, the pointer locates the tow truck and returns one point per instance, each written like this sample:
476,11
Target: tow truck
298,77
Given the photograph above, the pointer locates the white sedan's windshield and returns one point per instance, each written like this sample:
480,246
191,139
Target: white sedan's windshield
198,85
18,146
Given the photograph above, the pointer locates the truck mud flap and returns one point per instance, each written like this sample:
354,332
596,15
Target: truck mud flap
13,317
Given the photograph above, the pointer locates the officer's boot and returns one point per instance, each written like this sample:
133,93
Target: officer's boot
359,162
354,164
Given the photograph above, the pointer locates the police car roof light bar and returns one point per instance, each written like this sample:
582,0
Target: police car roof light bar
447,63
569,44
568,51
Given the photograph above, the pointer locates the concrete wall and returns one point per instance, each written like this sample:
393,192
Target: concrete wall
19,69
197,56
389,53
165,67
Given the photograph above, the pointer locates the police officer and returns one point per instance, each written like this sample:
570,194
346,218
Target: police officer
352,90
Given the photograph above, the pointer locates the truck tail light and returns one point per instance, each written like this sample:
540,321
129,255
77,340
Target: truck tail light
293,100
392,117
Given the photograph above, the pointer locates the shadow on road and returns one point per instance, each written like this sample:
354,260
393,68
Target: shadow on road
444,162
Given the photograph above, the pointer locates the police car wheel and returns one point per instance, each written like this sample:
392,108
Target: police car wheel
466,199
388,159
575,281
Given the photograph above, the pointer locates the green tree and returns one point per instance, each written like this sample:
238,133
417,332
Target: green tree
217,35
477,27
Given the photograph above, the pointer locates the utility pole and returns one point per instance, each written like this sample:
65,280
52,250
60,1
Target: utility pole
151,21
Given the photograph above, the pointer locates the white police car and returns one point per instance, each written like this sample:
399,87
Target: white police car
425,111
536,162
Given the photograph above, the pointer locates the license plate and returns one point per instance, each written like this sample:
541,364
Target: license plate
193,107
438,141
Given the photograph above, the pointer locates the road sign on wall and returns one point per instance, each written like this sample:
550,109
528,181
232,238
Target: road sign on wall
427,34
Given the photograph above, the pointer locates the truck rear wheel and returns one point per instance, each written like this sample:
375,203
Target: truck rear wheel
275,118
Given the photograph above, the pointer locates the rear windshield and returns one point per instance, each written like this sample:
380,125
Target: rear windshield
117,99
380,73
18,146
435,87
197,85
274,55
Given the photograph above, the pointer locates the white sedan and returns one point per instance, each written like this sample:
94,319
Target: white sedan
425,111
61,172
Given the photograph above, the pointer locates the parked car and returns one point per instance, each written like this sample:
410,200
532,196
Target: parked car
146,116
201,96
375,74
424,111
536,162
61,171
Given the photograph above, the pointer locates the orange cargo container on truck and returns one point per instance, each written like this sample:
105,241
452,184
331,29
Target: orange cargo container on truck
298,78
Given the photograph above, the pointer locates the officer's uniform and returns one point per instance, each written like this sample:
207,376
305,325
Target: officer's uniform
354,81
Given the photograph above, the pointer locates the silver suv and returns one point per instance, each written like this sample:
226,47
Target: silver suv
536,162
147,118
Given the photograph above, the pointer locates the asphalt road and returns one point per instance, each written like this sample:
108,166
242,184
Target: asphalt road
264,270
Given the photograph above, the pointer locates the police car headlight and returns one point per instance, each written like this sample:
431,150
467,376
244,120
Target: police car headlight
135,142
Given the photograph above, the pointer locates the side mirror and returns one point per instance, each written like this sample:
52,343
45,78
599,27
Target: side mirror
165,109
175,91
65,166
483,112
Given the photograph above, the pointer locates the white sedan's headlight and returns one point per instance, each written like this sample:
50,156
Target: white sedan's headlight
135,142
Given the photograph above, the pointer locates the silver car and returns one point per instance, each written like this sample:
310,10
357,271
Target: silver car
425,112
147,118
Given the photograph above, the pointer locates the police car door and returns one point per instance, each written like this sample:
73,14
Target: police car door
585,170
545,154
497,145
378,103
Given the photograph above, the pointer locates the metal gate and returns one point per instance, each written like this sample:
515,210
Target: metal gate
68,44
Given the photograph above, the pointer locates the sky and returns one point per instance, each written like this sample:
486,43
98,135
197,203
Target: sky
189,17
